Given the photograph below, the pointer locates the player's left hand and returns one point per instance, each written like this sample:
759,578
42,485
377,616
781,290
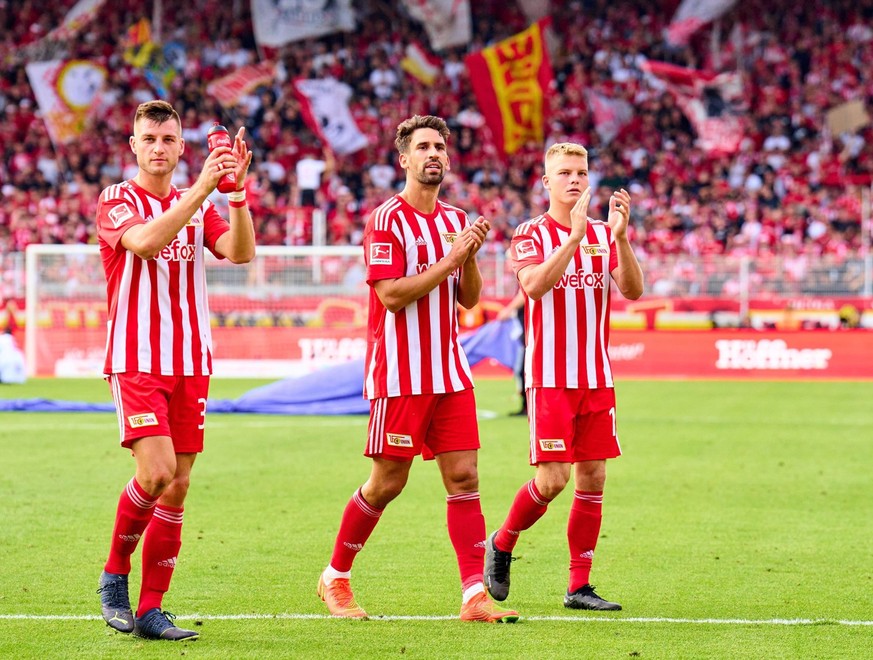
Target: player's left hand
243,158
619,213
475,236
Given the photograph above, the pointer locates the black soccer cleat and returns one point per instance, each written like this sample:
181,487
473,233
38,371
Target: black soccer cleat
115,602
156,624
585,598
496,574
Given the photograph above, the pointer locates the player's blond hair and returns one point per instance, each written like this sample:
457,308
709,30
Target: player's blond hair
157,112
564,149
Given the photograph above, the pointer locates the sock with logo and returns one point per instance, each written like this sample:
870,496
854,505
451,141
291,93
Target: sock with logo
135,509
583,528
527,507
160,549
358,522
467,532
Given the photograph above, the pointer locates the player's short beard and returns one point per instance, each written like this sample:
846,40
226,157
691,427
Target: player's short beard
428,179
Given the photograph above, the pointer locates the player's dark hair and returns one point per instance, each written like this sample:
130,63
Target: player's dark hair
157,112
406,128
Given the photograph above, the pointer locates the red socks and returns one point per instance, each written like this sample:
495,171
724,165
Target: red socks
527,507
159,552
358,522
467,533
135,509
583,528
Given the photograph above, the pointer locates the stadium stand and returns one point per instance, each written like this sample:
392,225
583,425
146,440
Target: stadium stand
790,191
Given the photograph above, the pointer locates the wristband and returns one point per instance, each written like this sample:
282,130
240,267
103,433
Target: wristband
237,205
237,196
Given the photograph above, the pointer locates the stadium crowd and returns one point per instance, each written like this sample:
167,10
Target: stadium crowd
790,190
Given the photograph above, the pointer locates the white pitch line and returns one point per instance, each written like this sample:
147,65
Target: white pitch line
560,619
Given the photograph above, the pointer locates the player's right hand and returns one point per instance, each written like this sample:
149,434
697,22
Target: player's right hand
579,215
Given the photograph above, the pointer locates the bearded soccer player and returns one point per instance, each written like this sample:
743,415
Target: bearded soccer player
564,261
159,350
420,255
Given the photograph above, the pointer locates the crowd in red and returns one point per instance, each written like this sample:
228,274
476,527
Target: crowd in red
792,188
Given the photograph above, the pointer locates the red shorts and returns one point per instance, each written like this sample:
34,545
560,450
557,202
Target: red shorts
571,425
149,405
402,427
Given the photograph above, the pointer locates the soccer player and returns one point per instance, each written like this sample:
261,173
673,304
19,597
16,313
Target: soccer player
420,255
564,261
159,348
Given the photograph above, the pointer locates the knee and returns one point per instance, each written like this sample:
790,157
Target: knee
156,480
550,484
379,494
464,480
591,477
177,489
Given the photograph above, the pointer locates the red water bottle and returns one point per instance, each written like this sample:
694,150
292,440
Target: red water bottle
219,137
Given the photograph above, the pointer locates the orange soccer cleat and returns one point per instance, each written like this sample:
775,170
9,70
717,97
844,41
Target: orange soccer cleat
339,598
481,608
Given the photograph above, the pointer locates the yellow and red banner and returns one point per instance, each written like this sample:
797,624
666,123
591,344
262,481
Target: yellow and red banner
511,80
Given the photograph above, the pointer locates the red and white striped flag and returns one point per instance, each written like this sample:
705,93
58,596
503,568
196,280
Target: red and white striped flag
228,89
693,15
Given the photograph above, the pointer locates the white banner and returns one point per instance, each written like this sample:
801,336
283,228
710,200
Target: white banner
278,22
610,115
67,93
325,106
693,15
447,21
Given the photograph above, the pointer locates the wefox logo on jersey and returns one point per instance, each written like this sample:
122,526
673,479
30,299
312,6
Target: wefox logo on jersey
580,279
178,251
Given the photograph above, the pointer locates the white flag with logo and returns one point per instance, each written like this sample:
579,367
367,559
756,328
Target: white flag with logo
447,21
325,106
693,15
278,22
67,93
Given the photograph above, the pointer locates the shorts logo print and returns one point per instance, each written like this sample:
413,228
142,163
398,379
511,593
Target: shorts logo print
552,445
146,419
398,439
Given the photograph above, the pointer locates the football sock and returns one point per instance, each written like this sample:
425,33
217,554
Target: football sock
467,532
527,507
358,521
583,528
469,592
135,509
160,549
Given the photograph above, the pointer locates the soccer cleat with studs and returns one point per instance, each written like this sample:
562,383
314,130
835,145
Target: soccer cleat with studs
482,608
585,598
496,574
155,624
337,595
115,602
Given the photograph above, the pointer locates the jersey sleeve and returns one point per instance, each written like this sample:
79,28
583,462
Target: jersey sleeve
526,249
613,252
214,227
115,215
384,253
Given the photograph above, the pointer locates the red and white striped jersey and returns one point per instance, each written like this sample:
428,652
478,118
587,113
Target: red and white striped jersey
567,330
158,312
414,350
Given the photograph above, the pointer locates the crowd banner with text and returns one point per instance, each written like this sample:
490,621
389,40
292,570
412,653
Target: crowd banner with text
511,80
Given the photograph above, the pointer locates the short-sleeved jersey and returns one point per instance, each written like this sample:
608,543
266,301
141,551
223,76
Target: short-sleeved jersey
158,312
567,330
414,350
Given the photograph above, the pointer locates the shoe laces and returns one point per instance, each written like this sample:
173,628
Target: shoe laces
342,592
502,560
115,594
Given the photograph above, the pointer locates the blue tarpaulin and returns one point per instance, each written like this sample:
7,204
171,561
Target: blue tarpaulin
331,391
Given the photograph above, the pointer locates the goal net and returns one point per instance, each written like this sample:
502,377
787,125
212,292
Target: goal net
290,311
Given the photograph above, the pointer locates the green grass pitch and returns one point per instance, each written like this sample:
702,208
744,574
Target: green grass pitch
737,524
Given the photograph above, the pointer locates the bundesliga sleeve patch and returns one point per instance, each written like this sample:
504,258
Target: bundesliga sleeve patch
380,254
119,214
525,249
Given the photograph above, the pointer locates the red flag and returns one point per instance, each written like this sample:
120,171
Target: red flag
714,103
511,80
228,89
